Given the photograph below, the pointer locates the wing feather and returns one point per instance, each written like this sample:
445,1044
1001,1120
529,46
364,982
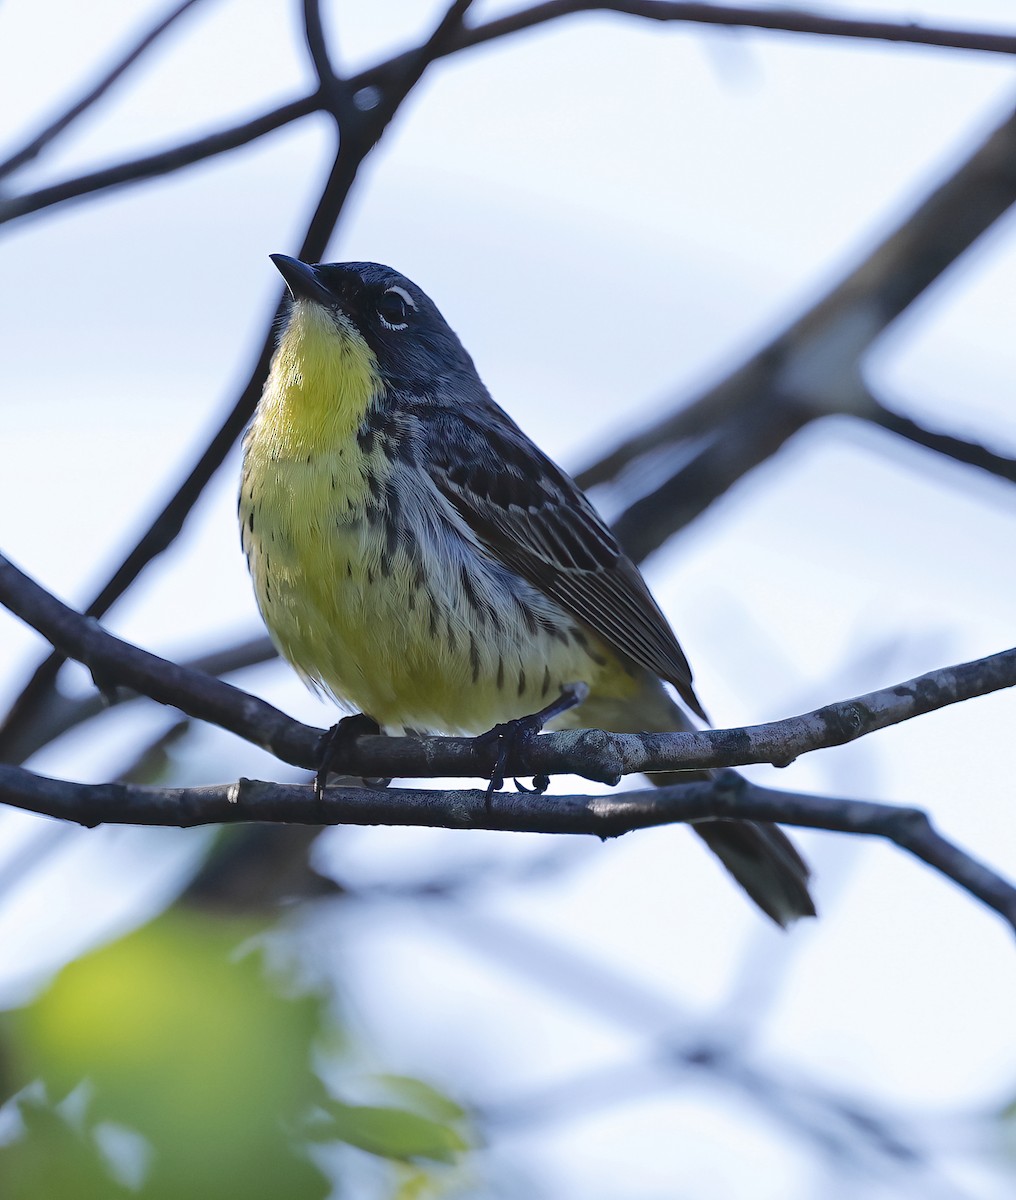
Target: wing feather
533,518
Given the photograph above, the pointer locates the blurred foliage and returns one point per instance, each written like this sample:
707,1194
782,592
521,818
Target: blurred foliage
172,1060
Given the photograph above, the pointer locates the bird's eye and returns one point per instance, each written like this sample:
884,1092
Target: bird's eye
394,308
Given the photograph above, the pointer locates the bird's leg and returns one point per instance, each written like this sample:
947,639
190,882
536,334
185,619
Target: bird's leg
512,736
335,746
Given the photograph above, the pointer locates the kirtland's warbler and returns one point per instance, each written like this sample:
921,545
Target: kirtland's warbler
416,556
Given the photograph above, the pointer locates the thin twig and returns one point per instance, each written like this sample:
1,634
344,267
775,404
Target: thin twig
116,663
971,454
33,148
163,162
777,20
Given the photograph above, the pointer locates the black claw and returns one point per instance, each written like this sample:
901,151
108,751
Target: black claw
335,746
512,736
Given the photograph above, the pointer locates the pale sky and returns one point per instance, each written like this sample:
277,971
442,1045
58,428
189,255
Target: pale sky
609,212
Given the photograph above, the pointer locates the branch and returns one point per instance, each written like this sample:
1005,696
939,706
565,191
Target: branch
34,148
116,663
64,712
971,454
163,162
593,754
784,20
813,367
725,796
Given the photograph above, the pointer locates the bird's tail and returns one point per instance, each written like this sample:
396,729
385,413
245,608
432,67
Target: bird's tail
758,854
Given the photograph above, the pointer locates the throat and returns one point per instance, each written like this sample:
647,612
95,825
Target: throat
322,382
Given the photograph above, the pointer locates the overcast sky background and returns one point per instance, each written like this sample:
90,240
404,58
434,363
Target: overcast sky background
610,213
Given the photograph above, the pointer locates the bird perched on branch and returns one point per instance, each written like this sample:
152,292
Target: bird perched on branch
417,557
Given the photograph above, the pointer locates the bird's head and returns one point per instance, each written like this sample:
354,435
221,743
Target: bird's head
368,313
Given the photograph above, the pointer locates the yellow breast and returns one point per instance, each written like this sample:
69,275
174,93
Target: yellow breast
358,563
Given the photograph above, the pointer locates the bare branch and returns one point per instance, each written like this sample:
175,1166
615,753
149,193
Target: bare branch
116,663
725,796
454,38
163,162
813,368
783,20
971,454
63,712
594,754
34,148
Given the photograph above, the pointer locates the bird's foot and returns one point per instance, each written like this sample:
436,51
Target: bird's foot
335,746
512,737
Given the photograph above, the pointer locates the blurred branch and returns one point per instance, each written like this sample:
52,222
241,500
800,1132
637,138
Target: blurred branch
971,454
813,368
33,148
679,1042
725,796
64,712
593,754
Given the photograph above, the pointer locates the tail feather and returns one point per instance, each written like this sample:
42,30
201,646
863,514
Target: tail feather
759,855
765,862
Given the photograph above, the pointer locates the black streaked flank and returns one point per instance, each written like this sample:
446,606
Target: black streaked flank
469,592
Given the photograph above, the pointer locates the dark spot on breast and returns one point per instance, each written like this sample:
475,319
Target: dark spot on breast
522,680
474,658
546,681
250,521
500,671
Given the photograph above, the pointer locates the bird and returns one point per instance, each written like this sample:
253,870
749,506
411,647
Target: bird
415,556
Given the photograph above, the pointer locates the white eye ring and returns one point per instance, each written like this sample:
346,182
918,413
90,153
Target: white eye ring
406,298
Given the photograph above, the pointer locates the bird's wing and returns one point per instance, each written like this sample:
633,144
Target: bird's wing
533,518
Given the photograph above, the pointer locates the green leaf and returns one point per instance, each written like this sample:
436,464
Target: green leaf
390,1132
53,1159
188,1043
423,1098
